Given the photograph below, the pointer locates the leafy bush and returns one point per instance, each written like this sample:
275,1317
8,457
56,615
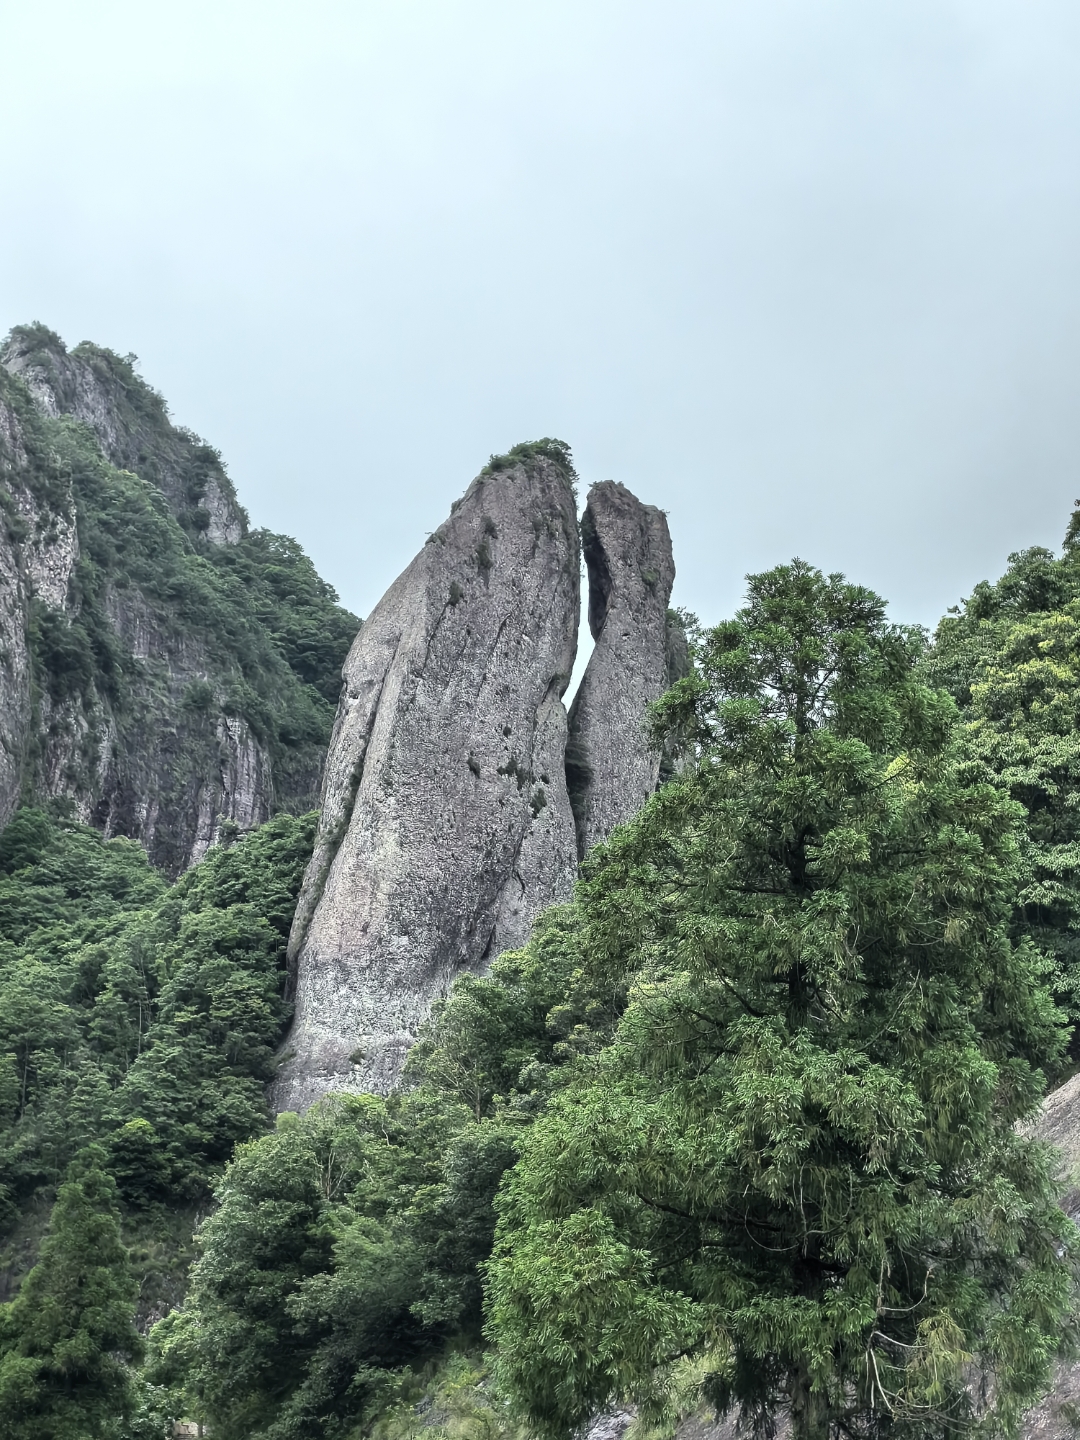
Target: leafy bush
557,451
344,1246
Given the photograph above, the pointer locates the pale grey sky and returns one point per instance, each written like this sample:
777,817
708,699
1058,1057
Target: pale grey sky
806,273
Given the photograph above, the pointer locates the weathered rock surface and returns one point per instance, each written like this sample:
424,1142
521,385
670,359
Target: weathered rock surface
164,772
611,766
14,676
182,767
38,550
446,825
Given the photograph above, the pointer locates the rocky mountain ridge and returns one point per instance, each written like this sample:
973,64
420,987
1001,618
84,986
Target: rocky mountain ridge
153,674
131,424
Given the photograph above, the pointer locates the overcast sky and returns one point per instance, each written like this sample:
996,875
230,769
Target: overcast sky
802,272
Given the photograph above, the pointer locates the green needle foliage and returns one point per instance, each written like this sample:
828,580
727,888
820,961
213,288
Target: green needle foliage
347,1248
793,1181
66,1337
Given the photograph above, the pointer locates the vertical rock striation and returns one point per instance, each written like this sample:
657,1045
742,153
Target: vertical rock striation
39,547
15,707
611,766
134,757
446,825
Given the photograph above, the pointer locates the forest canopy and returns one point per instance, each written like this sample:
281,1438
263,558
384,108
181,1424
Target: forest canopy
736,1130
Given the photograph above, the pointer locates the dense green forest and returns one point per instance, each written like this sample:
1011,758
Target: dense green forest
736,1130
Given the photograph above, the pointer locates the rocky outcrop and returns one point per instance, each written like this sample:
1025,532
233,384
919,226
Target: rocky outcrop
180,767
131,424
170,768
446,825
147,763
1059,1124
14,675
142,681
612,767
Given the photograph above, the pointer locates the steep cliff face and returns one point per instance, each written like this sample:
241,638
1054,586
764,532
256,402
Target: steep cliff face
131,424
172,764
14,676
446,825
38,551
164,683
611,766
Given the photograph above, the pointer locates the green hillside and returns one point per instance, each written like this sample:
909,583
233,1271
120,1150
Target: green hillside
736,1131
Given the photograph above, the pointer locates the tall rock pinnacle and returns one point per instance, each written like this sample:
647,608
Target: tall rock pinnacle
611,766
446,825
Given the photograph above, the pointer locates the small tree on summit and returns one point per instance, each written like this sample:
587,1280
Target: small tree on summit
794,1183
65,1337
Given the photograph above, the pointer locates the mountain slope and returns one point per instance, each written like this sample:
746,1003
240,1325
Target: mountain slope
166,672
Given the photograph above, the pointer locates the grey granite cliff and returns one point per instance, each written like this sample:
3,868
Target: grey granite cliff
446,825
611,766
14,678
38,550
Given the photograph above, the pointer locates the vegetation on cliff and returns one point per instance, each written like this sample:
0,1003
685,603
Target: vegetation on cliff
160,639
130,424
136,1014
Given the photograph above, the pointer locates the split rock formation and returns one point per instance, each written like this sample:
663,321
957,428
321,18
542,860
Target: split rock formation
446,822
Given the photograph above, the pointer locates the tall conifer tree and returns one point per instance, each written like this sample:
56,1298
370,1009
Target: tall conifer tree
794,1183
65,1337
